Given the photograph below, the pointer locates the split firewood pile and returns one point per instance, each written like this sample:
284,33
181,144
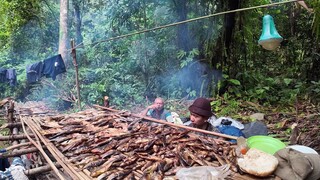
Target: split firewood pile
116,145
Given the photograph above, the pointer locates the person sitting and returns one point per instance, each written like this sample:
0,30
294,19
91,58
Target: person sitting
157,111
200,112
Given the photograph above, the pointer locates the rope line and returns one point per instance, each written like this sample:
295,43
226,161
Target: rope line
182,22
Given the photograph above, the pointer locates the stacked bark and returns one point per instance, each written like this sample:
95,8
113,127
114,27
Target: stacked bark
116,145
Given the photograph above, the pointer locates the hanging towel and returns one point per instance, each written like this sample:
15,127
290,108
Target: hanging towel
3,73
11,77
34,72
53,66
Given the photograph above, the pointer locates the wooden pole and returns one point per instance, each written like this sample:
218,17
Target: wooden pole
74,57
41,169
18,152
18,146
172,124
68,167
14,137
10,114
39,147
11,125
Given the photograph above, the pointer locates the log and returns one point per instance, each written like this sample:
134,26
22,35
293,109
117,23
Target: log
18,152
40,170
14,137
171,124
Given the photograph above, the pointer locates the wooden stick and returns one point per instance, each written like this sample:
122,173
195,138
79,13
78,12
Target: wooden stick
18,152
14,137
58,155
41,169
11,125
18,146
74,57
171,124
54,168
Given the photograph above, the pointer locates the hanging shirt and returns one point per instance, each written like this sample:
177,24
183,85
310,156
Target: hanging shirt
34,72
11,77
3,73
53,66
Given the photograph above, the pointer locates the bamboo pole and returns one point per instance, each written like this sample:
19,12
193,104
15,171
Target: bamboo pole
74,57
70,169
14,137
172,124
81,175
39,147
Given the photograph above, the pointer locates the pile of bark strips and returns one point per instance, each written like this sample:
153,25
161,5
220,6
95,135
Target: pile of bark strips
116,145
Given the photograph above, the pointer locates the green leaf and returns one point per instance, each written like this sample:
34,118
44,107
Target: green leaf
287,81
235,82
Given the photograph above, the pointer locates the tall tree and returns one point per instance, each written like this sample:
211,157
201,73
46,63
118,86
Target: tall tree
77,21
63,35
183,35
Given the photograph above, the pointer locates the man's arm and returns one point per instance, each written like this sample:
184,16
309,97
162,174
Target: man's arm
145,112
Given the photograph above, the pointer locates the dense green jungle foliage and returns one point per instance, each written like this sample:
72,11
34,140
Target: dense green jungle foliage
213,57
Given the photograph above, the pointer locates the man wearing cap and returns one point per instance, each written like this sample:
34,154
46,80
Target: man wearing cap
200,112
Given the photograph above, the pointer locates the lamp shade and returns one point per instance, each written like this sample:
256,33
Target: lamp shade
270,38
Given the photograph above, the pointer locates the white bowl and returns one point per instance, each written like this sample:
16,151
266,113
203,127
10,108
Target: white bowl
303,149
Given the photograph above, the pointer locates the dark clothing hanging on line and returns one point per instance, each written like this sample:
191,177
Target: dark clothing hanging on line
3,73
11,77
34,72
53,66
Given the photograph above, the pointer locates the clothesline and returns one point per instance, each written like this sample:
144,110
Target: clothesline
182,22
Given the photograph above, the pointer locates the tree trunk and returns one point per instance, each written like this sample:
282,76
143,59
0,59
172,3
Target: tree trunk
63,39
77,22
184,41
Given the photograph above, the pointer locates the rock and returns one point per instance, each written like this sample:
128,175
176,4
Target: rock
257,116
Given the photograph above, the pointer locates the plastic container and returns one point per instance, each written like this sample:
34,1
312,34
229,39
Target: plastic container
265,143
303,149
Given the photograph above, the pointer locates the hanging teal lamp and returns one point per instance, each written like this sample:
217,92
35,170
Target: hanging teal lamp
270,38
